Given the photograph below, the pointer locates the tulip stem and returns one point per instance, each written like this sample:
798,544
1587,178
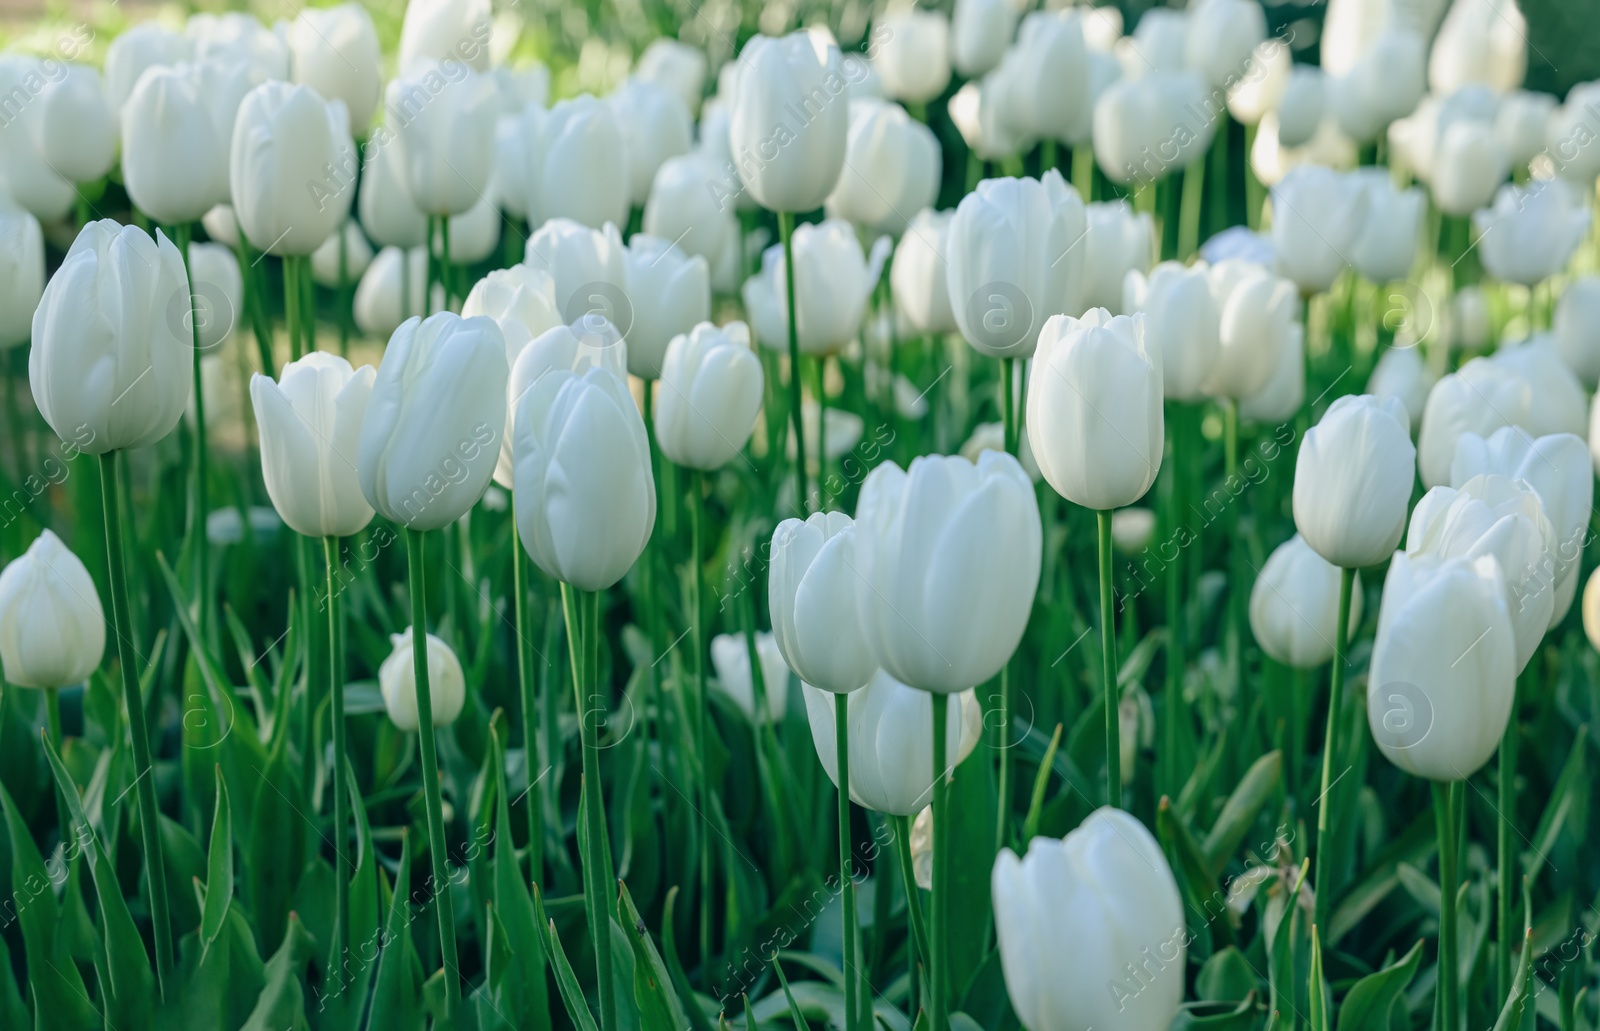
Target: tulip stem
1083,170
1330,747
444,909
847,887
914,914
185,234
52,716
1176,494
938,993
1505,848
786,231
291,305
1446,803
149,816
341,814
1108,648
444,257
530,710
344,300
1011,435
822,429
405,283
701,743
581,610
1255,193
1194,185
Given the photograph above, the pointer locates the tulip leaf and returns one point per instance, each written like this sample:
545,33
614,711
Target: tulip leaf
1511,1014
345,988
397,997
527,992
219,868
566,980
1569,796
282,1003
1371,1000
659,1009
277,845
1218,1016
1203,902
680,980
1239,813
1226,977
1319,1002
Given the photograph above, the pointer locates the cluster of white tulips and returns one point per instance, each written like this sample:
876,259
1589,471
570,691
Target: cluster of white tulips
910,336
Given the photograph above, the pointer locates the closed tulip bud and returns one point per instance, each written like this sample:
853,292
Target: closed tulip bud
1522,124
1317,214
336,53
474,234
441,30
976,112
522,302
1531,231
1480,41
1468,167
379,299
1493,515
590,342
730,657
1470,326
912,54
669,293
1258,90
443,118
1444,668
589,267
655,126
1132,529
1577,327
973,531
677,66
52,629
1280,398
75,128
309,422
891,740
1401,373
760,296
1221,36
1479,398
990,436
789,120
1015,260
173,162
1569,132
1109,874
1294,605
812,593
348,245
684,207
1117,241
21,273
1560,405
1301,107
584,496
218,293
1257,310
221,225
832,282
1181,324
1386,247
1352,481
579,163
110,364
1094,409
710,393
432,429
1385,83
239,38
397,680
1557,468
1103,71
1044,78
917,276
142,46
891,166
980,31
388,214
1159,43
292,168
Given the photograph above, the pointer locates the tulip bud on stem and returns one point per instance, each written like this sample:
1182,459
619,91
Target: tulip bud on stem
443,908
786,230
1447,811
149,817
1341,641
1108,647
938,991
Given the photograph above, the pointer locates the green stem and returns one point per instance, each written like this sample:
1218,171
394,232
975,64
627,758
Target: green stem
701,743
344,297
530,709
405,283
291,306
444,256
1108,648
1011,434
1194,185
341,815
847,888
1177,491
1446,799
444,910
908,876
1505,849
1255,193
1083,170
149,817
52,715
786,231
1237,593
939,992
596,871
1330,747
201,585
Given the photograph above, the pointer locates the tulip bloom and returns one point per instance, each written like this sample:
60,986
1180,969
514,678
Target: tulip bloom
709,396
1094,409
912,54
1480,41
1280,398
578,159
388,214
812,595
1043,81
1294,605
730,657
1258,313
1117,241
655,126
1468,166
1576,327
292,168
789,120
1443,672
336,53
21,273
684,208
891,167
1402,373
891,740
1181,324
445,30
173,163
589,267
381,302
52,628
589,342
832,282
75,128
309,422
1016,258
585,499
677,66
326,259
1531,231
1109,875
980,31
1480,397
1301,107
110,364
973,536
669,293
432,429
1386,247
1352,481
1316,216
447,684
443,119
917,277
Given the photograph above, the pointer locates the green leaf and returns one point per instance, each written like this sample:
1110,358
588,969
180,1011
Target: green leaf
1371,999
1239,813
397,997
282,1004
528,994
798,1017
277,845
1030,824
659,1008
566,980
219,868
1194,880
1511,1014
680,981
1562,799
1319,1003
1226,977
